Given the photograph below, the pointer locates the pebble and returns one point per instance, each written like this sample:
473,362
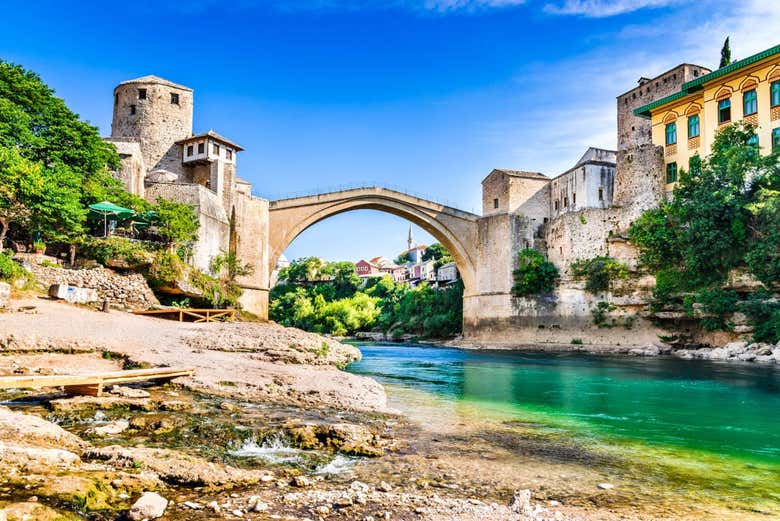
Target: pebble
193,505
384,486
606,486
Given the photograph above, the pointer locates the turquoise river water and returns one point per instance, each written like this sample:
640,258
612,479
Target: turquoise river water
719,418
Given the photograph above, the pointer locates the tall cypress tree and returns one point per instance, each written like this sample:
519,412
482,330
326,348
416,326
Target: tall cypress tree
725,54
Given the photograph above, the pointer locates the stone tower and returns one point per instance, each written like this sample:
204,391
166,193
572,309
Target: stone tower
157,113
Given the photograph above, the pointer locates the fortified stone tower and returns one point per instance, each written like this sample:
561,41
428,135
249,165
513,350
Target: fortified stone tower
157,113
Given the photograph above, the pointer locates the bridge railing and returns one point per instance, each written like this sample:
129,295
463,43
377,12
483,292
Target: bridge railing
356,186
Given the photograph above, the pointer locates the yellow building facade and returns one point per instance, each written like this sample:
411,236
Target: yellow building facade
686,122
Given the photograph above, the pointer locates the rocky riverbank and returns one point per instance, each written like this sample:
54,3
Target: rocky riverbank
269,427
731,352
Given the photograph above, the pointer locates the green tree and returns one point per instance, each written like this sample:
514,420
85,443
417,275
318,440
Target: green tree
345,279
534,274
33,119
177,223
46,200
725,54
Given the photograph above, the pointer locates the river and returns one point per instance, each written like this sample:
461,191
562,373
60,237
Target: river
691,431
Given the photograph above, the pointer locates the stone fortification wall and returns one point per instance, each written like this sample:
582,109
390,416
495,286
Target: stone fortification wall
565,315
252,221
154,120
125,291
640,182
214,230
132,171
633,130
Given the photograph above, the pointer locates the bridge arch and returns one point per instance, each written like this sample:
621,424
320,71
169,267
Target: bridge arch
455,229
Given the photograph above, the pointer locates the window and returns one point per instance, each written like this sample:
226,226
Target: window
174,98
574,199
565,202
753,141
671,173
775,93
556,206
189,150
776,140
750,102
495,203
215,149
724,111
132,109
141,93
116,99
601,194
693,126
671,133
201,148
228,154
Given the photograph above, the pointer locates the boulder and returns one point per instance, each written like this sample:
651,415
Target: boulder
149,506
73,294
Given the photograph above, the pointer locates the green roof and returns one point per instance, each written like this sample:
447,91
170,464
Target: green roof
730,68
694,85
645,110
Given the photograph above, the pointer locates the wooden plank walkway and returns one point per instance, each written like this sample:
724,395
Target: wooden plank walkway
92,384
200,315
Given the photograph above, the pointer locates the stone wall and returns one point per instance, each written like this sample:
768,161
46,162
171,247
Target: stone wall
132,171
640,180
633,130
124,291
563,316
252,221
214,230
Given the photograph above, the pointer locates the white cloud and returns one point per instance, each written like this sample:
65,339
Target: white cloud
603,8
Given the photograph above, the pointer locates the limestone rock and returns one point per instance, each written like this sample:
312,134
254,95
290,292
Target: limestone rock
175,467
33,430
149,506
110,429
128,392
521,503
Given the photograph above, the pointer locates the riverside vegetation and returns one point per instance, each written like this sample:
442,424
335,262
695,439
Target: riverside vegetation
329,297
724,217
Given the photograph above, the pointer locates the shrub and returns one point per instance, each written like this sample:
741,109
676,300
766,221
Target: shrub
534,274
600,313
166,269
599,272
119,249
11,271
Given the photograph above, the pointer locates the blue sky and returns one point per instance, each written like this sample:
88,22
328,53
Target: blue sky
428,95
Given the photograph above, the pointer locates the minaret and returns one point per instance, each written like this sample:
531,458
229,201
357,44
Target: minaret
410,240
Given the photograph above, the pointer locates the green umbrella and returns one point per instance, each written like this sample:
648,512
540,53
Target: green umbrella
105,209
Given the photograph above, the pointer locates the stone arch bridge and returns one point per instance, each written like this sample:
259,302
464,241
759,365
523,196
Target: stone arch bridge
455,229
479,245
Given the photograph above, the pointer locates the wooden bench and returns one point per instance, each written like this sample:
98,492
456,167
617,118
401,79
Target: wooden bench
200,315
92,384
